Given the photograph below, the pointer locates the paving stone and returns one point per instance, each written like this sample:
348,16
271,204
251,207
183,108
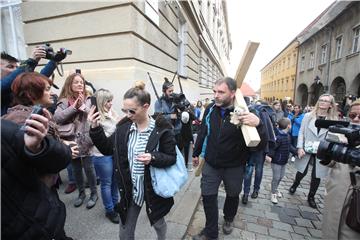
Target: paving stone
309,215
287,219
273,216
221,201
296,236
261,207
265,222
246,235
282,226
315,233
308,209
292,212
248,218
257,228
264,237
317,224
254,212
277,209
304,223
301,230
241,224
279,233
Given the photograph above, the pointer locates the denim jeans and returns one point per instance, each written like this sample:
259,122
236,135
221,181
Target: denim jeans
109,191
256,160
70,173
78,164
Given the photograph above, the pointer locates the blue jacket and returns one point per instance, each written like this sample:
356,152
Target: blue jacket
283,148
28,66
295,123
168,108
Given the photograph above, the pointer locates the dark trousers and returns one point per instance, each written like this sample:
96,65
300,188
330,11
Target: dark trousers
210,182
314,183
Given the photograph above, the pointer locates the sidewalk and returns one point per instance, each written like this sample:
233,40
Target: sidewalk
84,224
291,218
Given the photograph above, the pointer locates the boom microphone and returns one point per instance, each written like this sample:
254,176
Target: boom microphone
321,123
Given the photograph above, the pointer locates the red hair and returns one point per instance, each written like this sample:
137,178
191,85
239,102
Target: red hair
29,87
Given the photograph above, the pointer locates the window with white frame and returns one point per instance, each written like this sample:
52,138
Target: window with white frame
338,46
302,63
12,35
312,60
356,40
323,54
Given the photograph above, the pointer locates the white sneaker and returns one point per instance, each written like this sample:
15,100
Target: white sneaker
274,198
292,159
279,194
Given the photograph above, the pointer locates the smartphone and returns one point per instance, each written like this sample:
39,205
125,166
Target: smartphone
37,109
93,102
78,70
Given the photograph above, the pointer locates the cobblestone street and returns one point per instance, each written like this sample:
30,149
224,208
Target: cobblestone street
291,218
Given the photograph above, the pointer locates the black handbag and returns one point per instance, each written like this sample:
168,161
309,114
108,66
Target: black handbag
353,216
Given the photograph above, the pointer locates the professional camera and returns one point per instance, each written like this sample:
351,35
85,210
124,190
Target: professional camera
341,143
180,101
56,56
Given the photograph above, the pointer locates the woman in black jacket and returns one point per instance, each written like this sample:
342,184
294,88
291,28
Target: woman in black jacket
138,142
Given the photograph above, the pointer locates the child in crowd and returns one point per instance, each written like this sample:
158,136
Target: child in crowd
279,157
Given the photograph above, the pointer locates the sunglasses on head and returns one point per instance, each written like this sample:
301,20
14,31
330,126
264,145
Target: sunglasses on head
353,115
126,111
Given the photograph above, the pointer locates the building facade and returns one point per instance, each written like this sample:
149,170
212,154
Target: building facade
278,76
115,43
329,55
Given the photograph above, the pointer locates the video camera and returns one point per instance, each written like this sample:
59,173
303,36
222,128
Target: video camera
180,101
341,143
56,56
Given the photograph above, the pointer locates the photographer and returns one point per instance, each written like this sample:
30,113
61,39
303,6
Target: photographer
10,70
166,106
337,199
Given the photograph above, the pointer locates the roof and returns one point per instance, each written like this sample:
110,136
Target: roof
246,90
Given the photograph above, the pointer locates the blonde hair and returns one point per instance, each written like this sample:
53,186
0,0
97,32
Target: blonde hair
66,91
355,103
102,97
331,112
139,92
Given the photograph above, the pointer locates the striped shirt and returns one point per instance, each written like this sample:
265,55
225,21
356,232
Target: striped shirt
136,146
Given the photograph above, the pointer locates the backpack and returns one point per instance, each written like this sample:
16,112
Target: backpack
266,109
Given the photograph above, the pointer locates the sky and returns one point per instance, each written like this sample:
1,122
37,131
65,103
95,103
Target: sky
273,23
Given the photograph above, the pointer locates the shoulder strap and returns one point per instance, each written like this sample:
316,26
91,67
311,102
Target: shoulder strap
207,123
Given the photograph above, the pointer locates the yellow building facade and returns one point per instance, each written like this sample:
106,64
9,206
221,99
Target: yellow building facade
278,76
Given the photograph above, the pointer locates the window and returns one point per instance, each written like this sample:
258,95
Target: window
152,10
356,40
312,60
302,63
12,36
338,46
323,54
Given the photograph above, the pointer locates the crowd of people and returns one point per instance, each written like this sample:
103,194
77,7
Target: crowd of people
80,131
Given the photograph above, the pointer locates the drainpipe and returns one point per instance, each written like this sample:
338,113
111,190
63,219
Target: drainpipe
329,63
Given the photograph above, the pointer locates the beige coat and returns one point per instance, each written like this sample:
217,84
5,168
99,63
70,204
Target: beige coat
309,133
337,186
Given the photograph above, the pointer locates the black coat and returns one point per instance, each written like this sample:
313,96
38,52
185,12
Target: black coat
116,145
24,197
225,145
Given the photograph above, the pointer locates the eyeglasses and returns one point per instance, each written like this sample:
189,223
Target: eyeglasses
126,111
353,115
324,100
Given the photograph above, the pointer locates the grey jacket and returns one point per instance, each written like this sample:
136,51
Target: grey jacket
308,135
65,114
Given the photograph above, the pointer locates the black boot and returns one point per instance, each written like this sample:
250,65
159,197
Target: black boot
245,198
293,188
311,201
